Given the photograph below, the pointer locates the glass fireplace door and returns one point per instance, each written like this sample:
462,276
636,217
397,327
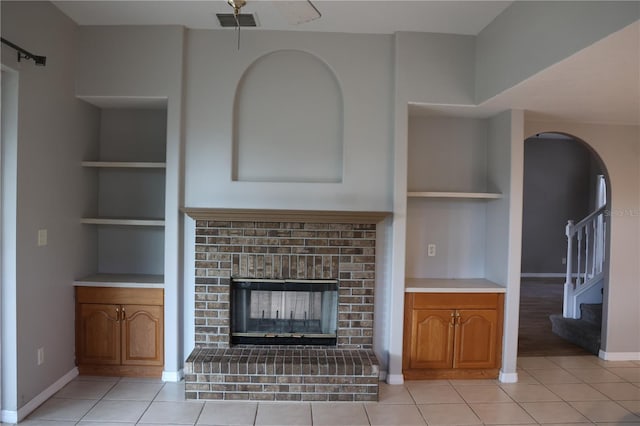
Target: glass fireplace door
284,312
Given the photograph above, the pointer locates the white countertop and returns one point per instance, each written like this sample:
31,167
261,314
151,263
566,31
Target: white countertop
121,280
448,285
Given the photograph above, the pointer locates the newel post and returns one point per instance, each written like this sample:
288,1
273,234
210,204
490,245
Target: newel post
567,306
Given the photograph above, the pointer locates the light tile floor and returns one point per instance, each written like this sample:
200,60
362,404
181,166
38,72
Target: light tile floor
570,391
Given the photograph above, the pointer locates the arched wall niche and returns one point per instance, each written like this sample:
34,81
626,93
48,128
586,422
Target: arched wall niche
288,121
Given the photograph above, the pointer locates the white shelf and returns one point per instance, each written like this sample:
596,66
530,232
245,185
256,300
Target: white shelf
458,195
121,222
121,280
125,164
452,285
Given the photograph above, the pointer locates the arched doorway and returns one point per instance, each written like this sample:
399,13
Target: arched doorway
564,179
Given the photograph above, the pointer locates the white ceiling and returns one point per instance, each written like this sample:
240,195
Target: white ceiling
599,84
353,16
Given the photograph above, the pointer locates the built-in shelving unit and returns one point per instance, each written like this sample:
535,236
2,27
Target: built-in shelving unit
128,169
447,202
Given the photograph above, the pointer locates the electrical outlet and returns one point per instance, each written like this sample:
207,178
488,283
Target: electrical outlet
564,260
42,237
40,356
431,250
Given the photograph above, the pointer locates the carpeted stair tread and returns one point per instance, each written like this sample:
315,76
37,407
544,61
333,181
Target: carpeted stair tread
579,332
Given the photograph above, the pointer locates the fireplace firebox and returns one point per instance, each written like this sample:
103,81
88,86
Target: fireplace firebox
284,312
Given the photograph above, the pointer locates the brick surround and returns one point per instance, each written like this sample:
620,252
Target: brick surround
287,249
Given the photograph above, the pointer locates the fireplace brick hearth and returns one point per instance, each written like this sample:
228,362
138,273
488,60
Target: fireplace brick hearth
282,373
289,249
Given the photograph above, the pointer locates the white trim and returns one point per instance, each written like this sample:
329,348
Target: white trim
508,377
9,416
172,376
619,356
462,195
125,164
395,379
544,275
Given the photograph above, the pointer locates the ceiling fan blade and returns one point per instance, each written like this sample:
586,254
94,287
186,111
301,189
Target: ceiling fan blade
297,11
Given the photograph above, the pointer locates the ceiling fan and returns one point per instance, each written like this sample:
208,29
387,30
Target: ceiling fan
295,11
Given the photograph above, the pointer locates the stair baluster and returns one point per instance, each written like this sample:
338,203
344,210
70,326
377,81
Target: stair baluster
589,258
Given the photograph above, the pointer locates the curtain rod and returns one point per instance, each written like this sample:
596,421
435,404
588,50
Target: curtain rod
39,60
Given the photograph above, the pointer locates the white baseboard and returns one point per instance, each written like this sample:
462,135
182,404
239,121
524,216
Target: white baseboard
619,356
543,275
172,376
508,377
395,379
9,416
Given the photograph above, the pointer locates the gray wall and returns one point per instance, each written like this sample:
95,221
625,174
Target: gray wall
55,132
559,180
530,36
504,224
362,65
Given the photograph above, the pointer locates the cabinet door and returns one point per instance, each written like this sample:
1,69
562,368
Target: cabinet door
98,334
432,338
476,338
142,335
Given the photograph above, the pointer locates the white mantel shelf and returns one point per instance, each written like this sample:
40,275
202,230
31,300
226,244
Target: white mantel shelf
272,215
446,285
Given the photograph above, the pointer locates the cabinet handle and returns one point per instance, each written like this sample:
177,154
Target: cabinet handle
453,319
124,314
117,314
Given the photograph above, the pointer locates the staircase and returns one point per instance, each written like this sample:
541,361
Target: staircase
585,262
581,319
584,332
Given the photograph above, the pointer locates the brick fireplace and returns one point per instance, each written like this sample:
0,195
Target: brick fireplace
283,245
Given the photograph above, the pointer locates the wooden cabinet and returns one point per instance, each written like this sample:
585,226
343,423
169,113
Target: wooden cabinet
120,331
452,335
98,334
